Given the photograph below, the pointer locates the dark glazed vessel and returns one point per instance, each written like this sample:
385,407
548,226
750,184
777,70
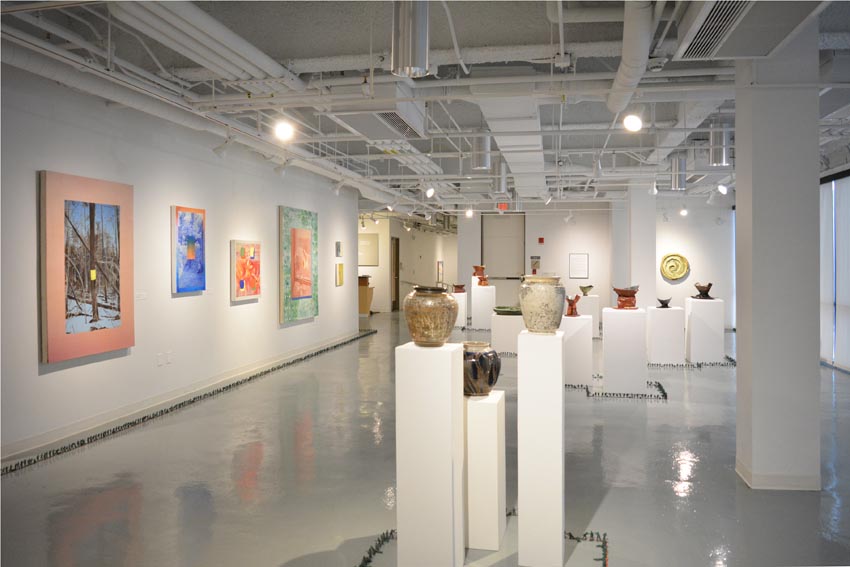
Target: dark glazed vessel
703,291
572,309
665,303
626,297
430,313
481,367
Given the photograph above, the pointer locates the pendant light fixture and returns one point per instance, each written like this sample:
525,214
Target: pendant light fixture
410,42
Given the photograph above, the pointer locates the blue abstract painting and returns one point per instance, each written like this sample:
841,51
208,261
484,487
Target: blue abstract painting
188,260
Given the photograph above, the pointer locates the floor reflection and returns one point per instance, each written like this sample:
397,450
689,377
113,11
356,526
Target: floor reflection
197,515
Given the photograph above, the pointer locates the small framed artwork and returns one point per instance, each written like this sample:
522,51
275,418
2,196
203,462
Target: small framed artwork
188,249
244,270
338,249
579,266
339,279
439,271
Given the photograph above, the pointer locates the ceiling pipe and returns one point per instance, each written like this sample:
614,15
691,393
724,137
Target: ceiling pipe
410,41
720,142
637,37
593,15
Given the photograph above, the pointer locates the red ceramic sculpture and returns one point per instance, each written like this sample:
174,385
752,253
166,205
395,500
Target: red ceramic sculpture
460,288
482,281
572,310
478,270
626,297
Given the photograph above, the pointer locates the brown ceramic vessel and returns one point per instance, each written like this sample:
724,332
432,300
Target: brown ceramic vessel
478,270
430,313
483,281
572,309
459,288
626,297
703,291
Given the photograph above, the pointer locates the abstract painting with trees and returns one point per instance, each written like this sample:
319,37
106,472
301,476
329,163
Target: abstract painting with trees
299,265
86,257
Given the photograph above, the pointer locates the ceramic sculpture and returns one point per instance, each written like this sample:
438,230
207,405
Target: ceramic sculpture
585,289
665,303
572,310
481,367
703,291
430,313
542,299
459,288
674,266
478,270
483,281
626,297
507,310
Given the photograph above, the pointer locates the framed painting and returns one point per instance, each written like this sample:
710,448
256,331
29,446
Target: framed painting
579,266
338,249
244,270
86,259
339,279
439,271
299,264
188,249
367,249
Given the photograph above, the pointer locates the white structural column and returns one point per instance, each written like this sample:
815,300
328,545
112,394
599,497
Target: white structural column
540,449
642,242
776,147
578,349
429,455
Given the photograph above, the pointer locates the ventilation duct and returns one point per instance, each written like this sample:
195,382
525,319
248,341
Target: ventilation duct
503,177
679,171
720,142
481,152
409,57
637,37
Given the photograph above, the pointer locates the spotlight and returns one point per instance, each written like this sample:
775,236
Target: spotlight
406,227
469,213
284,131
429,192
665,217
374,220
221,151
632,123
281,169
365,88
722,188
390,207
684,211
548,199
710,200
427,216
595,193
338,187
569,218
654,189
362,224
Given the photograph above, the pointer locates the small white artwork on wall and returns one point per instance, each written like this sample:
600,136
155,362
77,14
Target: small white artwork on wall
579,266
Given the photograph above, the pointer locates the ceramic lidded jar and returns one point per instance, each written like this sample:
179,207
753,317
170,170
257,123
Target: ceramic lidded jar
542,299
430,313
481,367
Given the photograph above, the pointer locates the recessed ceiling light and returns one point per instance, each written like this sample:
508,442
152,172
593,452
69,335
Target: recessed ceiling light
284,131
632,123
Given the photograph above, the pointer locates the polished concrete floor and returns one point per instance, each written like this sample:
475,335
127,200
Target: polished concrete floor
297,469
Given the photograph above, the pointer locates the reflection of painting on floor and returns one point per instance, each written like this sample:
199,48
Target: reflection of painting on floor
299,266
188,249
92,267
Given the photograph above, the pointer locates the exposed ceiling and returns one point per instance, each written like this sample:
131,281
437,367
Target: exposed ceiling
236,69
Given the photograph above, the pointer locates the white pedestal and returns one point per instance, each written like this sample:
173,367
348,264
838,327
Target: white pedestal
578,349
505,332
540,449
485,470
429,455
704,320
461,309
665,335
624,351
590,306
483,302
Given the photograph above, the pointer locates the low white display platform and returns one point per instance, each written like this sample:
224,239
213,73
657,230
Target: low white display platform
429,455
589,305
578,349
461,309
505,332
540,449
485,470
705,328
483,302
665,335
624,351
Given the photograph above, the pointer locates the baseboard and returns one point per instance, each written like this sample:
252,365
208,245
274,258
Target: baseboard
776,481
57,441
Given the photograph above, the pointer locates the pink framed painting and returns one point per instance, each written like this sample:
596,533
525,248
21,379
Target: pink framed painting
86,256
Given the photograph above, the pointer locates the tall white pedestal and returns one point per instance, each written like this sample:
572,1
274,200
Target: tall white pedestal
624,351
589,305
704,321
505,332
578,349
483,302
485,470
461,309
429,455
665,335
540,449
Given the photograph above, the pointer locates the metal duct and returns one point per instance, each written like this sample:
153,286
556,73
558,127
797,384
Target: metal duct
503,177
637,37
720,142
679,171
481,152
409,57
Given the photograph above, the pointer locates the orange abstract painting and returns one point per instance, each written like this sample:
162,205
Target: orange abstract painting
244,270
302,263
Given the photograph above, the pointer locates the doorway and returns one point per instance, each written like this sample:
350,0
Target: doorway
394,272
503,252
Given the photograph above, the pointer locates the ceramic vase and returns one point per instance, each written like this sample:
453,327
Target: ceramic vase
483,281
703,291
430,313
481,367
572,309
626,297
459,288
585,289
542,299
478,270
665,303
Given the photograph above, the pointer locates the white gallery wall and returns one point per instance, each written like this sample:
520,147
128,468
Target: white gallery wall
49,127
419,252
705,238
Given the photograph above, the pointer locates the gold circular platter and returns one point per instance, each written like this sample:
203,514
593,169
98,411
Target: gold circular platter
674,266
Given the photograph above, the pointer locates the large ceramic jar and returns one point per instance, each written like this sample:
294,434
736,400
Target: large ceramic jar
481,367
541,299
430,313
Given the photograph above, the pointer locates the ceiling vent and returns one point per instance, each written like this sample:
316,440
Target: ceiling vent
382,121
734,29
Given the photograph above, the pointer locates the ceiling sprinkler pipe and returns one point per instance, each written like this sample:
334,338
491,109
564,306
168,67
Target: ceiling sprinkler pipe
481,153
503,177
410,42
